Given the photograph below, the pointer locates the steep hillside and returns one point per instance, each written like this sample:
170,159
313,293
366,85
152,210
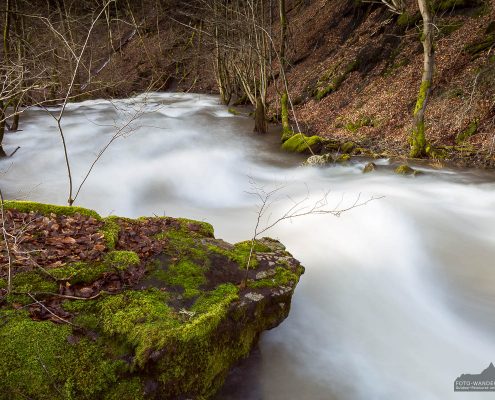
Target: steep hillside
356,71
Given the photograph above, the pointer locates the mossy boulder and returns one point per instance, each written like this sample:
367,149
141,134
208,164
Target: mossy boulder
370,167
342,158
163,311
348,147
301,144
407,170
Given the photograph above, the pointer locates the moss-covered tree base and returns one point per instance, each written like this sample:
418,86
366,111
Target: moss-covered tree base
161,309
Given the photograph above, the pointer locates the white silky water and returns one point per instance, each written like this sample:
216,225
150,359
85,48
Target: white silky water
398,298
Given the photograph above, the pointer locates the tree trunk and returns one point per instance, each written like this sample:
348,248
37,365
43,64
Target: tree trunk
2,129
15,120
260,117
418,139
6,31
284,99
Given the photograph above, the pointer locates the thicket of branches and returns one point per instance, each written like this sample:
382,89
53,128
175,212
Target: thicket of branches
57,49
53,51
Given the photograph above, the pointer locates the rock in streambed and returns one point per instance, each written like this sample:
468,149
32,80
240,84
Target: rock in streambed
118,308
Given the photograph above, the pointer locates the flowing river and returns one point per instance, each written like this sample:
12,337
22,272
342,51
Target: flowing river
398,297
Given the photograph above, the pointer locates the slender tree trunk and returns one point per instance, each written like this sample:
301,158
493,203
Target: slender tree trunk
19,27
260,117
15,121
418,139
6,31
284,99
2,129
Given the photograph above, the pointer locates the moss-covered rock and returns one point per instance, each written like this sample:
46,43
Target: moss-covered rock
370,167
163,311
348,147
343,158
407,170
302,144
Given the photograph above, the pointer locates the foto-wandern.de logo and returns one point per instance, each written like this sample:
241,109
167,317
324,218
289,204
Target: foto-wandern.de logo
483,382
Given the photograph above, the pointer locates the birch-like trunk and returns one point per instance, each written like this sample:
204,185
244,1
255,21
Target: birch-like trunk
418,138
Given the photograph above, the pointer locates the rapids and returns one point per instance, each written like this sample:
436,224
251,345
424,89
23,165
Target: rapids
398,297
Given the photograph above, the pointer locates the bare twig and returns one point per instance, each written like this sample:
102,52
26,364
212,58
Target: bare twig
7,246
301,208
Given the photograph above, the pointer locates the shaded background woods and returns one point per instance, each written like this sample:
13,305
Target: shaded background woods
353,68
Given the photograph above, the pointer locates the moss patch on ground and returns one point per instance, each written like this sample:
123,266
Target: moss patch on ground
334,84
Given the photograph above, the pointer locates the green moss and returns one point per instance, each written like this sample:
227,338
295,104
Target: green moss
131,388
480,46
470,131
347,147
182,244
3,283
406,19
47,209
404,170
284,105
83,272
187,275
137,317
87,321
78,306
422,95
343,158
354,126
79,272
336,82
449,5
111,231
450,27
233,111
418,139
240,252
301,144
205,362
204,228
33,282
209,299
286,135
282,277
121,260
370,167
39,362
